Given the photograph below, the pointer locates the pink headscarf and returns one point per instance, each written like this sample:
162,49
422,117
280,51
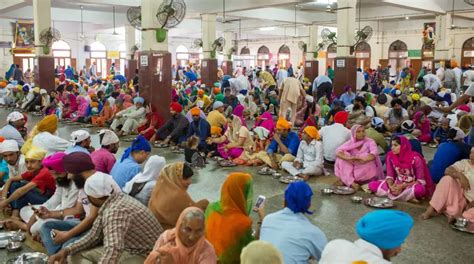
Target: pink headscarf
83,105
239,112
266,121
72,102
425,127
353,143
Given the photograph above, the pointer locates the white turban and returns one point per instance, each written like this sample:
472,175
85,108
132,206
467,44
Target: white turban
100,185
109,137
309,98
79,135
15,116
217,104
9,146
43,91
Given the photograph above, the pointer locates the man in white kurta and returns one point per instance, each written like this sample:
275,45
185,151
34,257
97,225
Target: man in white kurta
309,159
129,118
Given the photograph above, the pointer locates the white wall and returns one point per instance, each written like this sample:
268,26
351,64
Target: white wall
6,34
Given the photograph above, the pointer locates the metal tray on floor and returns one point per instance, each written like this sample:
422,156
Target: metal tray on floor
378,202
5,235
467,229
30,257
343,190
226,163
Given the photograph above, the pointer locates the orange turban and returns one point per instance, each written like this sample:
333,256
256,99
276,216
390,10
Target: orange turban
215,130
217,90
195,111
283,124
312,131
200,92
48,124
3,84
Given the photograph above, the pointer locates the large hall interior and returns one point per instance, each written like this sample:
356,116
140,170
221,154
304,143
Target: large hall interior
236,131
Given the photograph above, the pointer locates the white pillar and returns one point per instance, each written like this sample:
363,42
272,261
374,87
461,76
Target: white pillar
312,44
129,40
208,34
442,33
345,27
150,23
229,43
42,20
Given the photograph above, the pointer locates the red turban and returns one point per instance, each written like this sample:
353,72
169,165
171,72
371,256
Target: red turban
176,107
341,117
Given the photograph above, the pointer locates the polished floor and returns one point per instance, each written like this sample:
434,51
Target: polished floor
431,241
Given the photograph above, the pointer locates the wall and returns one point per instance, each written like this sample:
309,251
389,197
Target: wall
6,34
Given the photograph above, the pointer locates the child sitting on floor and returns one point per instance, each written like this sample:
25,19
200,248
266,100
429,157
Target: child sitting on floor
216,132
191,154
441,133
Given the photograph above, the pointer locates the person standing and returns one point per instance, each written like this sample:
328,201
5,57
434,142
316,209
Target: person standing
18,74
291,90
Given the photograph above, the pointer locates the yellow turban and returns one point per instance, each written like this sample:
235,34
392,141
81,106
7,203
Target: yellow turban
48,124
36,89
215,130
195,111
35,154
415,97
283,124
312,131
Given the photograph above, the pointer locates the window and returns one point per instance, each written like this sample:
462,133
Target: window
99,56
61,53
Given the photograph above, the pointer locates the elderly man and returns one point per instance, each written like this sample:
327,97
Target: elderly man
127,228
290,92
104,158
199,127
129,165
216,116
381,232
15,124
396,115
174,130
335,135
309,158
129,118
283,147
290,231
81,142
359,112
15,160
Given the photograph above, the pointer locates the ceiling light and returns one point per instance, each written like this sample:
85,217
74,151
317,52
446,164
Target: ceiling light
407,17
267,28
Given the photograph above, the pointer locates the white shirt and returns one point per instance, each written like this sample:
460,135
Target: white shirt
50,143
310,154
18,169
432,82
333,136
458,74
343,251
368,110
470,90
469,75
239,83
360,81
63,198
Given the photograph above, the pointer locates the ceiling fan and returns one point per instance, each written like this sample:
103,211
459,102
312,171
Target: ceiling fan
453,26
329,8
223,19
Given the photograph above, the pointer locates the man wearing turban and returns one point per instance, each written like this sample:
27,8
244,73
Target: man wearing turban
290,231
335,135
44,136
381,235
216,116
309,158
175,129
199,127
129,118
12,130
35,186
104,158
283,147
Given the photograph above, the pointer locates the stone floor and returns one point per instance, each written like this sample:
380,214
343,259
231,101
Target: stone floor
431,241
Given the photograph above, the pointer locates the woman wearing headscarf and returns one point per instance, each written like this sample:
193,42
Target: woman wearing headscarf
260,252
423,127
81,112
152,122
44,137
357,160
265,120
185,243
105,116
260,143
408,178
170,197
143,183
228,224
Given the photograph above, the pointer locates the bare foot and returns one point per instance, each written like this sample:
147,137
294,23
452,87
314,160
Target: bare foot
451,219
415,201
304,177
14,224
430,212
338,183
355,186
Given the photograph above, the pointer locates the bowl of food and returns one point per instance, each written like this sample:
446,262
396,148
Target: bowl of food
327,191
461,222
14,246
356,199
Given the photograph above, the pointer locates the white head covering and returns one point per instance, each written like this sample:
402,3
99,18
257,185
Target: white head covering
261,132
150,173
15,116
309,98
217,104
200,104
109,137
43,91
9,146
100,185
241,98
460,135
79,135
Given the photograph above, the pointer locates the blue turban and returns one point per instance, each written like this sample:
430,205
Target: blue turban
139,143
138,100
120,78
386,229
243,92
298,197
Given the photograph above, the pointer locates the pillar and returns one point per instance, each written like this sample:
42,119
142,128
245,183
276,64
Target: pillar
311,64
45,61
345,62
209,62
442,46
227,66
130,61
154,62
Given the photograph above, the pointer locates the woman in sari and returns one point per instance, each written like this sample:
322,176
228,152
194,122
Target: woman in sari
423,127
105,116
153,122
228,224
357,160
170,197
81,112
408,177
185,243
260,143
265,120
454,194
70,105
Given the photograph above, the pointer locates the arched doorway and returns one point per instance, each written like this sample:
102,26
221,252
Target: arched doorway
331,55
182,56
397,57
98,55
263,56
244,59
362,54
284,56
467,55
62,54
427,56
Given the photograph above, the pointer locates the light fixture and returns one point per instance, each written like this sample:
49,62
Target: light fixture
115,33
407,17
267,28
82,24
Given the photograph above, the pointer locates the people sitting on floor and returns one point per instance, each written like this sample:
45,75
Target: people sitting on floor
395,115
381,235
376,132
129,165
153,121
200,128
290,231
11,154
309,159
130,118
81,140
44,137
216,116
259,251
175,129
14,129
406,130
422,127
104,157
170,197
333,136
440,135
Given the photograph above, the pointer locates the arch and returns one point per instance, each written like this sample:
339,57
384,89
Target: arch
60,45
467,52
284,49
181,49
468,44
245,51
362,54
362,47
97,46
263,50
398,45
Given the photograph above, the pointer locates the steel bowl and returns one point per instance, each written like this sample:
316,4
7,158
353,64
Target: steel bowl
461,222
327,191
356,199
14,246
